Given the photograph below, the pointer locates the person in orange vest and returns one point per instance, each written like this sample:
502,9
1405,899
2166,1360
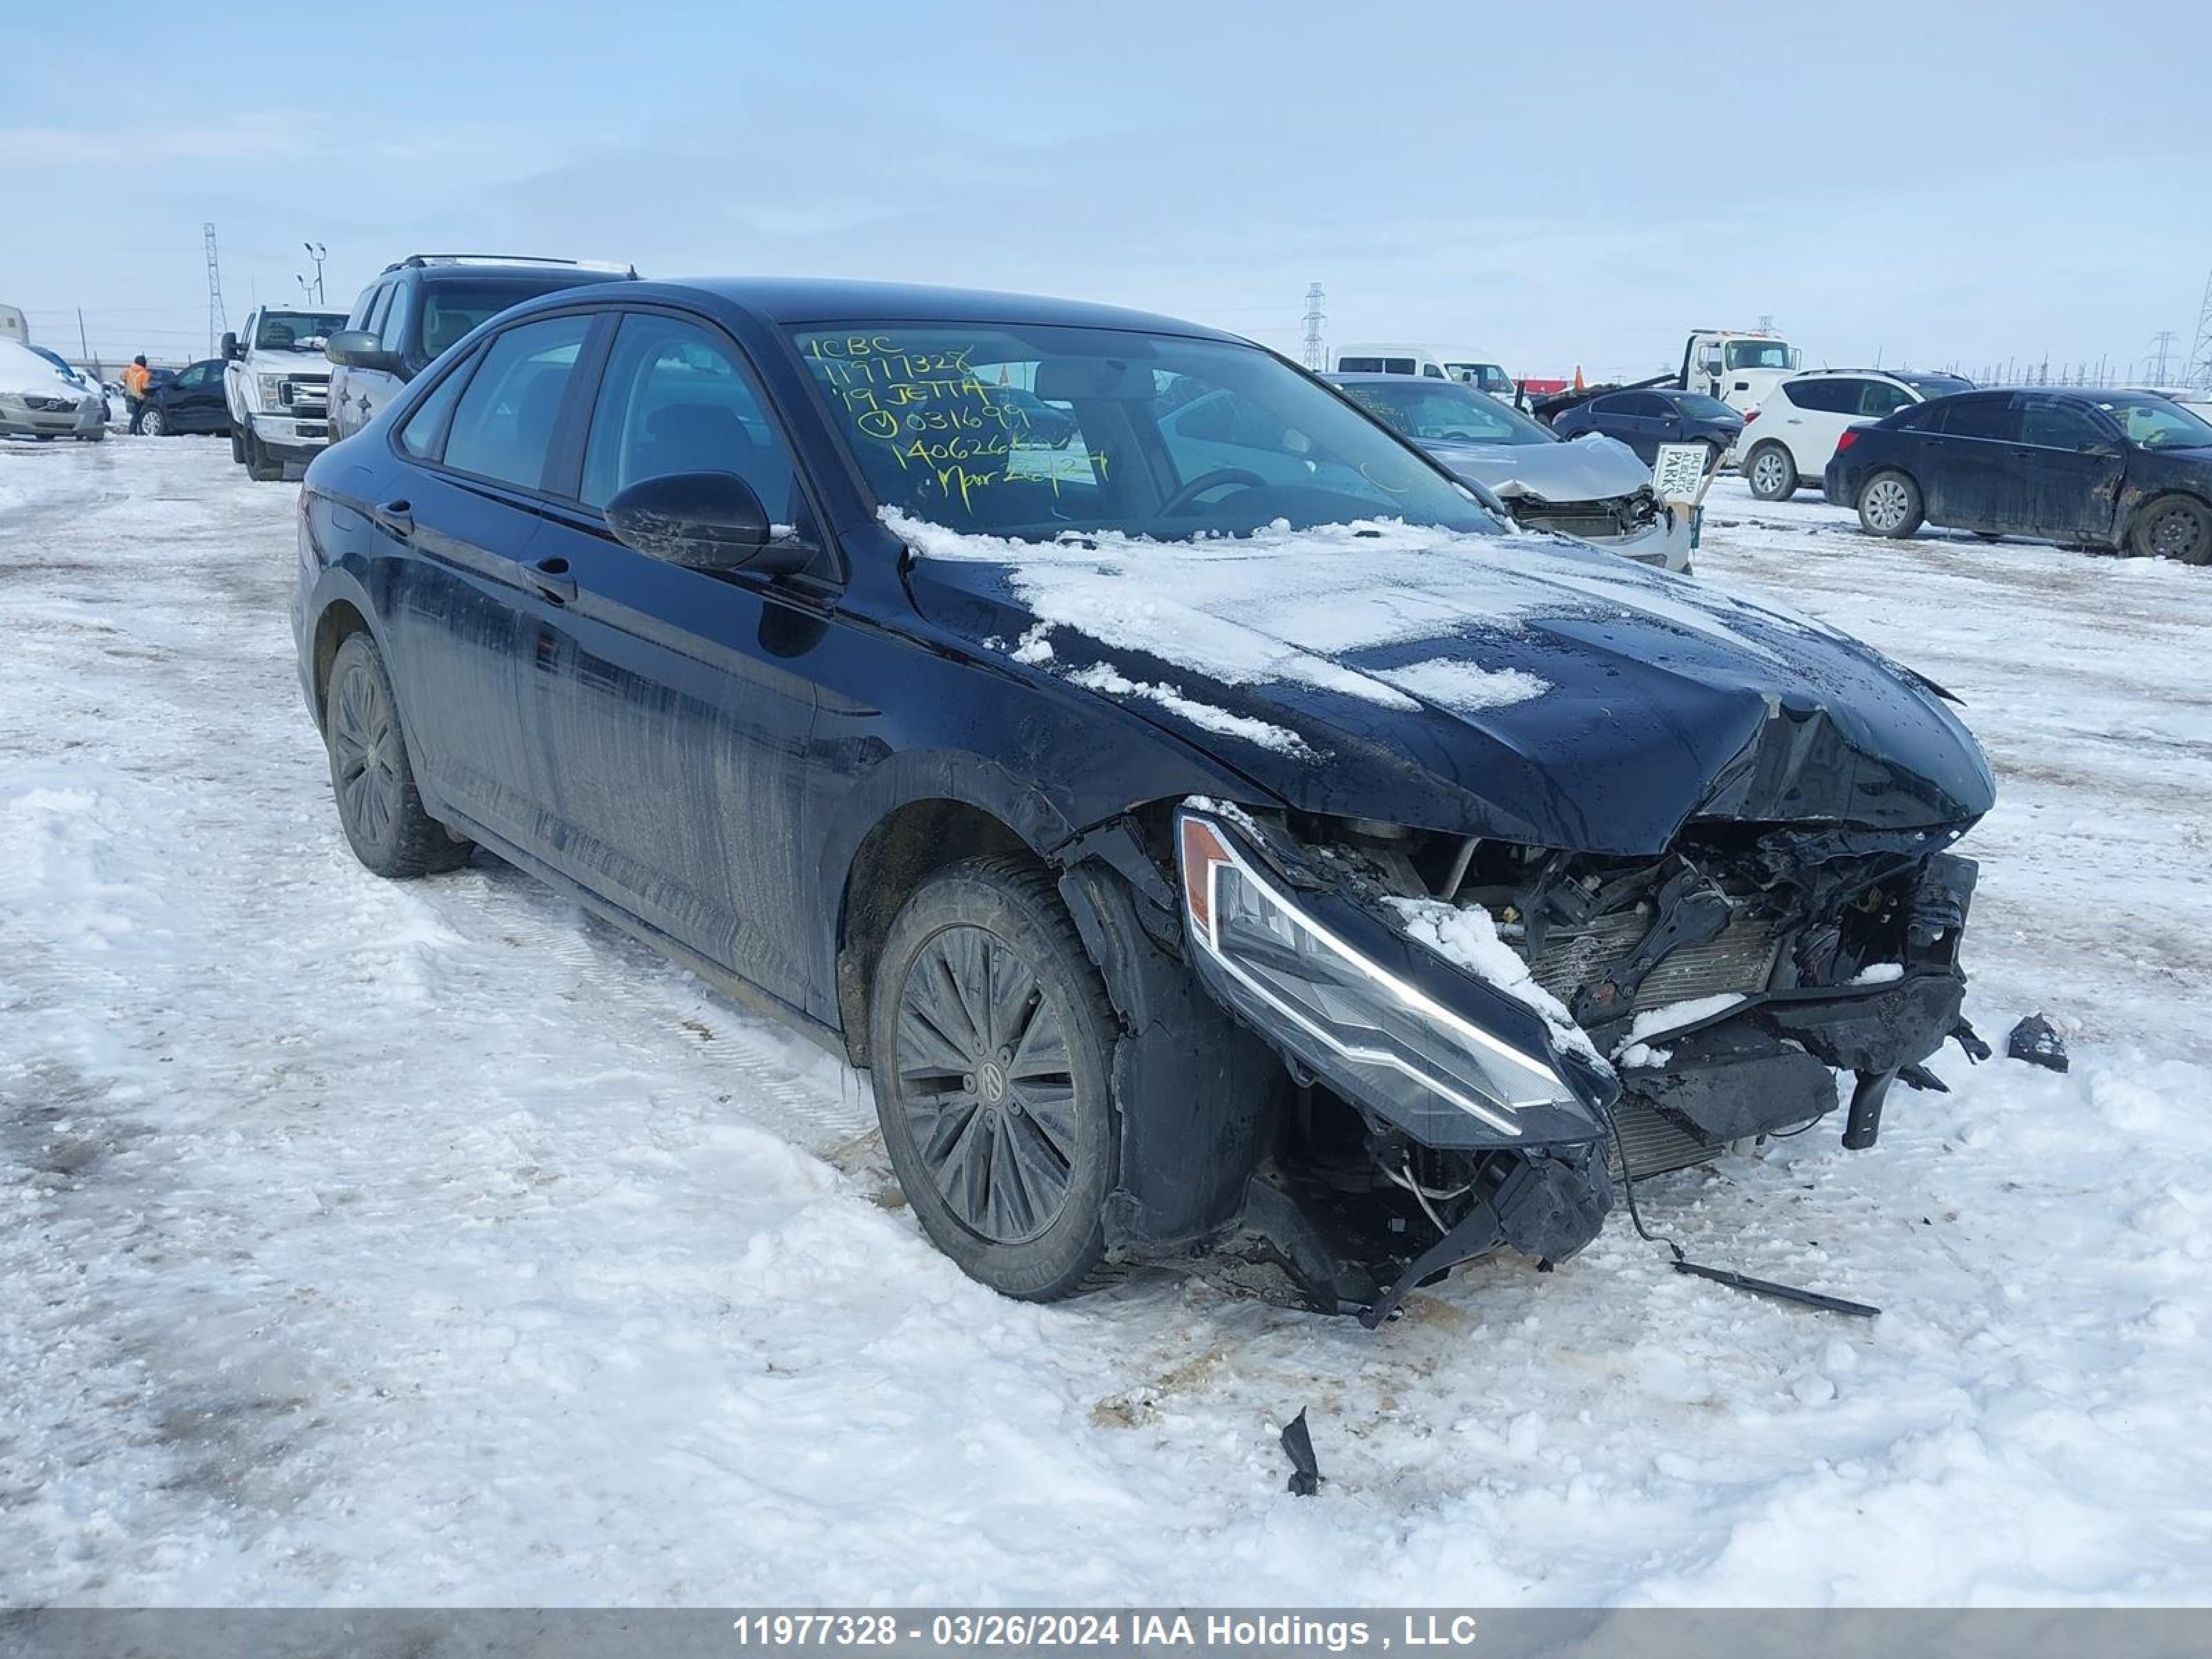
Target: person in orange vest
135,380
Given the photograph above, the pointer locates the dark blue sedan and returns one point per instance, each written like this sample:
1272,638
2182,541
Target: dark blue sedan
2127,471
1118,742
1647,418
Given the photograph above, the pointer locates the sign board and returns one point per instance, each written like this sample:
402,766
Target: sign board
1679,471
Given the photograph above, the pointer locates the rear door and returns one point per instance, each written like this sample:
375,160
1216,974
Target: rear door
679,703
1968,471
1812,416
2070,462
455,535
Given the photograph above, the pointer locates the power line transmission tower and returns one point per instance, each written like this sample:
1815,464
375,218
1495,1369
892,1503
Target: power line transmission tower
2163,340
1317,318
217,321
2200,355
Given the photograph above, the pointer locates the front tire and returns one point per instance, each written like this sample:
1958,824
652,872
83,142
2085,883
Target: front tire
1772,473
378,807
992,1045
1890,505
2172,527
154,424
260,465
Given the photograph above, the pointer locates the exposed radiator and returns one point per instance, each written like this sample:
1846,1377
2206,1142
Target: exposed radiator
1656,1142
1740,959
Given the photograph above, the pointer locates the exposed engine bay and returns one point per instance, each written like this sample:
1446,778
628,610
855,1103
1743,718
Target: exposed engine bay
1669,1009
1611,518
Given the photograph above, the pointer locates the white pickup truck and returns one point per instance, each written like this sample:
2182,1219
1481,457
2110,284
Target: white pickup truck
277,384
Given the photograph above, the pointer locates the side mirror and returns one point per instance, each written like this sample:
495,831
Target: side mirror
357,348
704,520
230,351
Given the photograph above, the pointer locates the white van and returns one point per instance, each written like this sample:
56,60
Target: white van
1434,363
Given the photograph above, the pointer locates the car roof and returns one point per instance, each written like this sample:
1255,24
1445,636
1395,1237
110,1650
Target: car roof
787,301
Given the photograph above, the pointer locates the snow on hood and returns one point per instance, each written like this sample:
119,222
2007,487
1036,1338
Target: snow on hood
1522,687
1592,468
26,372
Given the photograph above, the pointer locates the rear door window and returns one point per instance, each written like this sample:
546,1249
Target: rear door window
1840,397
675,399
504,423
1991,418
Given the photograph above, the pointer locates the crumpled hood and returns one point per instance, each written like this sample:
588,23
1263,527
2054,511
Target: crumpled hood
1587,469
1520,688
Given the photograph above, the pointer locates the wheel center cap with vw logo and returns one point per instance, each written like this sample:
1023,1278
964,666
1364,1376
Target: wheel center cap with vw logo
992,1083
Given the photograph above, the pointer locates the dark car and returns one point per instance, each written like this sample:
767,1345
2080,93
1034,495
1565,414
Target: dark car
418,306
2120,470
190,400
1292,865
1643,419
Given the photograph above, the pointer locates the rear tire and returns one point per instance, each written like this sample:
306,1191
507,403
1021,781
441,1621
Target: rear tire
1772,473
992,1045
1890,505
371,776
2172,527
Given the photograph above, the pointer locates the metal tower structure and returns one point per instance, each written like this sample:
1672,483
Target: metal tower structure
217,321
1317,318
2200,355
2162,343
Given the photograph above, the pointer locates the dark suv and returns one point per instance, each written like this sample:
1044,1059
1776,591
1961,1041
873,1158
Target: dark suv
419,305
1274,858
2120,470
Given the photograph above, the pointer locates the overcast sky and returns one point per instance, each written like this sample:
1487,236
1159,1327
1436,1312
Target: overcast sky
1554,186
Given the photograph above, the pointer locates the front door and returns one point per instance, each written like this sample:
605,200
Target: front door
455,535
2069,461
676,705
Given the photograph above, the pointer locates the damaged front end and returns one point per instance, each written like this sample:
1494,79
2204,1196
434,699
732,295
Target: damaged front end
1637,524
1486,1037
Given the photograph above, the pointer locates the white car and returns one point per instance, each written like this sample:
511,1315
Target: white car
38,400
1791,438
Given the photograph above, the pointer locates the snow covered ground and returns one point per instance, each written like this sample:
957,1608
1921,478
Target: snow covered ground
431,1243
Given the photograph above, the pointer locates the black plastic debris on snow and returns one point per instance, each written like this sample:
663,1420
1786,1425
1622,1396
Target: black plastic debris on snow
1298,1441
2036,1041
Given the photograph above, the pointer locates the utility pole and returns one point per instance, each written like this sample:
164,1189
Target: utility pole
318,253
217,321
1316,318
84,345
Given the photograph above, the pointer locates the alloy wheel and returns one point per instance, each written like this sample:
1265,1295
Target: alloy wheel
365,743
1766,471
151,426
987,1083
1885,504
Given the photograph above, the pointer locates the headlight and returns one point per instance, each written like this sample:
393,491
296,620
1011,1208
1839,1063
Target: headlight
1371,1031
272,390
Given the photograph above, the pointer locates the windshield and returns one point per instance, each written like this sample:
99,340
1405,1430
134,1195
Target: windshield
2156,423
296,331
1453,414
1699,407
1758,354
1150,434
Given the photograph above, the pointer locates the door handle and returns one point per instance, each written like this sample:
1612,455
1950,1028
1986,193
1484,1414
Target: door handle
395,519
551,578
